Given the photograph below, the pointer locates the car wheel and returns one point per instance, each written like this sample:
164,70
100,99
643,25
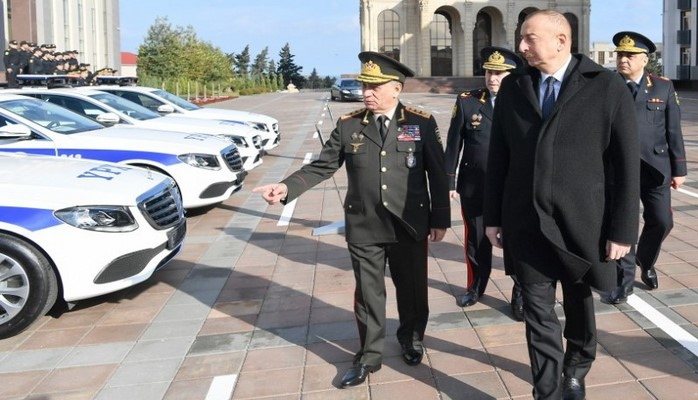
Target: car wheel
332,96
28,285
341,97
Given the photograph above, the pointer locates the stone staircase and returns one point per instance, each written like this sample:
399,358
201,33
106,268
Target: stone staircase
443,84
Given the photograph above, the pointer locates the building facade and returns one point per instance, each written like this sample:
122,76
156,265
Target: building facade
89,26
680,38
444,37
604,53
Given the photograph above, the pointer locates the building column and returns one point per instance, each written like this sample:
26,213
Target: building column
469,21
424,48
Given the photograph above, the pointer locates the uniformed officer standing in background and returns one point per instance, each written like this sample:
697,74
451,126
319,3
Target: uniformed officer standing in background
469,133
662,154
397,198
11,61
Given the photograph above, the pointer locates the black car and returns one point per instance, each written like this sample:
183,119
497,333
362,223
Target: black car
347,89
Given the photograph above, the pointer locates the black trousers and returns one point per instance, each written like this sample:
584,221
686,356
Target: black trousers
549,360
407,259
658,222
478,251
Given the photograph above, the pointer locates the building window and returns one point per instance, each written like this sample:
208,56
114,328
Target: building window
441,50
685,56
389,34
602,58
482,37
685,20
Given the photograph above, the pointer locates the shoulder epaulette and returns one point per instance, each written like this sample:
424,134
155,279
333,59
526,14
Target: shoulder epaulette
471,93
352,114
419,112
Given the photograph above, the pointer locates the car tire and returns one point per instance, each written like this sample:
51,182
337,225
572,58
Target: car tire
28,285
341,97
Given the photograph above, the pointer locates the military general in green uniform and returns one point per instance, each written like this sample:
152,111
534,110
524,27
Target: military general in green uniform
397,199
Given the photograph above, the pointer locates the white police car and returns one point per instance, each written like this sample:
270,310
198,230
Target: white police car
79,228
94,104
207,169
167,103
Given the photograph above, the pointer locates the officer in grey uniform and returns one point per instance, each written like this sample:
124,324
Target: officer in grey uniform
397,199
663,159
467,147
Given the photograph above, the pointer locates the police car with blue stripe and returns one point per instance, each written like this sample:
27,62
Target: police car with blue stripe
79,229
206,169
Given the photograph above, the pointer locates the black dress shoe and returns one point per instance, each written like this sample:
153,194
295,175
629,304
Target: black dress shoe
517,310
469,298
357,374
649,278
412,355
618,295
573,389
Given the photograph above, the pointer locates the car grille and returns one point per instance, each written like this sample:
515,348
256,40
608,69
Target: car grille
257,141
233,160
162,207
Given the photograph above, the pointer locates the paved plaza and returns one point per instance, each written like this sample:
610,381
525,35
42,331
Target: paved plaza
258,307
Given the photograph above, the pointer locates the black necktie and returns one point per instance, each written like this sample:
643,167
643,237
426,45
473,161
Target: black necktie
549,97
633,87
381,126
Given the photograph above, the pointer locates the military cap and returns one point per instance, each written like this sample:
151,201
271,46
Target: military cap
379,68
23,42
13,41
633,42
499,59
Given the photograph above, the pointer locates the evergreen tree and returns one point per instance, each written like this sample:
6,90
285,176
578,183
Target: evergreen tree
654,66
259,67
314,81
241,63
288,69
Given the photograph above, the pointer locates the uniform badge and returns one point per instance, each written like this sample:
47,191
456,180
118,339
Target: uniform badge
357,136
355,146
410,160
409,133
676,97
475,120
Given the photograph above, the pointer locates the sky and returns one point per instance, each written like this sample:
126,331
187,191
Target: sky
324,34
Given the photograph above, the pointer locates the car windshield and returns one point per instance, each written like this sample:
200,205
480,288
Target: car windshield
176,100
124,106
50,116
351,84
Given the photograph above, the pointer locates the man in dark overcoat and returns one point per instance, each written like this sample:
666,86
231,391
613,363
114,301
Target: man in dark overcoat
561,195
397,199
663,158
469,135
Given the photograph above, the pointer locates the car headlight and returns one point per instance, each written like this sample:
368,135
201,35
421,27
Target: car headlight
206,161
257,125
98,218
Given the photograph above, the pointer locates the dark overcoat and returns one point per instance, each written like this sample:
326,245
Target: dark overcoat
404,177
469,134
561,188
659,122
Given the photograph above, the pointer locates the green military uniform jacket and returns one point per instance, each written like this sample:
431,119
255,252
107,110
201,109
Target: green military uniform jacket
404,177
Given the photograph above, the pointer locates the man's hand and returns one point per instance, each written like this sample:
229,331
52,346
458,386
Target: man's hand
436,234
494,234
272,193
452,194
677,181
616,251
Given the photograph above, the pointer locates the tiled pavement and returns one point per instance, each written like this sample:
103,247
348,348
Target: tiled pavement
253,310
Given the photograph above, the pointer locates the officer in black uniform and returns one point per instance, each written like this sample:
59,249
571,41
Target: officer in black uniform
397,199
469,133
662,154
24,56
11,60
36,63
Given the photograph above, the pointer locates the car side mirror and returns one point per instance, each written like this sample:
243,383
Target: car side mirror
166,109
108,119
15,131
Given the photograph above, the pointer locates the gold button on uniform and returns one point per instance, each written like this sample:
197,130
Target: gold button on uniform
384,169
384,187
383,153
385,203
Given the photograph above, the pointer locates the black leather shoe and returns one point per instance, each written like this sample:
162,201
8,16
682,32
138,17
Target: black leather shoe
469,298
357,374
649,278
573,389
618,295
517,310
412,355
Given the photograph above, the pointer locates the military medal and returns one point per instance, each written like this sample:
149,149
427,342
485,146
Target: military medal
410,160
475,120
355,146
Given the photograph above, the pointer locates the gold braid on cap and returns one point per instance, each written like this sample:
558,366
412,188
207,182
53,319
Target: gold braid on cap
496,58
371,73
627,44
626,41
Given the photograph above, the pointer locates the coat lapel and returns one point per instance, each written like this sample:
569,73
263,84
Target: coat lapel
528,83
370,129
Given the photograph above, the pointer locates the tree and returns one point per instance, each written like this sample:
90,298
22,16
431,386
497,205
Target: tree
329,81
314,81
159,55
271,68
288,69
241,63
654,66
259,67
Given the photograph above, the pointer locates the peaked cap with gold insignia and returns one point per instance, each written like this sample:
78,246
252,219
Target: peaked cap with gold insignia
378,68
499,59
633,42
